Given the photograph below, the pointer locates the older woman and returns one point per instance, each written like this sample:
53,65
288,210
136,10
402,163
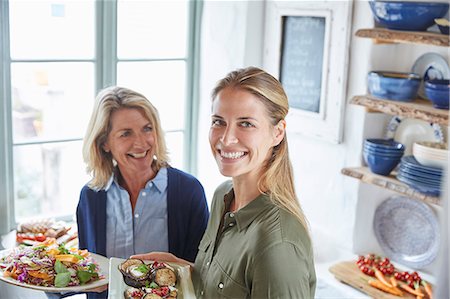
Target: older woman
257,243
135,201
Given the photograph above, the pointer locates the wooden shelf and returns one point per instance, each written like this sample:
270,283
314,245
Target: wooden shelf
388,182
408,37
419,109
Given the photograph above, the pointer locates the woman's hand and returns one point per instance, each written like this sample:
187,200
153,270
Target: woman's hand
161,256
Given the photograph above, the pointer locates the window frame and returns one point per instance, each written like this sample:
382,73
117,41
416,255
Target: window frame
105,61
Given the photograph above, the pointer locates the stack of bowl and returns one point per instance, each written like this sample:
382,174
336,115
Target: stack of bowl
433,154
438,92
424,179
382,155
407,15
396,86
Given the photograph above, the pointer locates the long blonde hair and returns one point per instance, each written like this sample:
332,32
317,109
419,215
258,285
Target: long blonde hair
277,180
100,163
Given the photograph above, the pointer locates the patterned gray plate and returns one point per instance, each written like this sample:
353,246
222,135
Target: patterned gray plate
407,231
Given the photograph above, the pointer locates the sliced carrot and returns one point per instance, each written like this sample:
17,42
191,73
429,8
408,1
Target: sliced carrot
381,286
39,274
67,258
53,251
411,290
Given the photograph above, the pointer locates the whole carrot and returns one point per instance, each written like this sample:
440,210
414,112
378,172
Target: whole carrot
380,276
428,289
411,290
381,286
394,281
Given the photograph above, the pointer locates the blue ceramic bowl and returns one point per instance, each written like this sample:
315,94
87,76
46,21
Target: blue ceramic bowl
385,144
383,154
402,15
394,86
380,164
438,92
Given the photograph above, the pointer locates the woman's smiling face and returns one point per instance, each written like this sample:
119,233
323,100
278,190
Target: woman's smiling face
132,141
241,135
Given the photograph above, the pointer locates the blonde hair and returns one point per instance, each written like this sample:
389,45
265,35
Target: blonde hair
100,163
277,180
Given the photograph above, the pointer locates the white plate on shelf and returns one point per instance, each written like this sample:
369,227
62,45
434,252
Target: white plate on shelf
430,66
102,262
410,130
117,285
407,231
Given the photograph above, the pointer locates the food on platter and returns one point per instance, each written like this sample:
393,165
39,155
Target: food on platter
49,264
390,279
34,231
148,281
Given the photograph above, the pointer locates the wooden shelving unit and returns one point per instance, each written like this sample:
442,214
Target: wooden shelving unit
388,182
419,109
408,37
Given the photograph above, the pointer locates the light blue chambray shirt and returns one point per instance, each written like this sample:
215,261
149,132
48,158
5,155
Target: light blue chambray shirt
146,230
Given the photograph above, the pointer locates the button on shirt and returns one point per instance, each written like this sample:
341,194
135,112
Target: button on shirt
145,230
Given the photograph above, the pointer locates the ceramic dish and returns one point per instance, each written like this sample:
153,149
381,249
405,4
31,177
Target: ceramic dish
430,66
411,162
407,231
409,130
117,286
102,262
419,187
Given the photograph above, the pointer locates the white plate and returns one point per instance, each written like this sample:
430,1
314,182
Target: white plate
117,286
430,66
102,262
409,130
407,230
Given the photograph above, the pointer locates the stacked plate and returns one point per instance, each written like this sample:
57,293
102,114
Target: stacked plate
434,154
425,179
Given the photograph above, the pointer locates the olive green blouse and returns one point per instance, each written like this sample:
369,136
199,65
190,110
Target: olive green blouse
259,251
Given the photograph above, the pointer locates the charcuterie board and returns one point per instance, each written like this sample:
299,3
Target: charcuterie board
348,273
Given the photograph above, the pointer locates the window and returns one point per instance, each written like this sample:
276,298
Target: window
56,55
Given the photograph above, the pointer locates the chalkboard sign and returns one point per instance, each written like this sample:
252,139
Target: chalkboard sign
301,64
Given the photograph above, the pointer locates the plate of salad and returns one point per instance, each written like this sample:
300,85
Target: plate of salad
51,267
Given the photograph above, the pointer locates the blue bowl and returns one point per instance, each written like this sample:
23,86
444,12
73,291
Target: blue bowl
387,144
383,153
394,86
438,92
402,15
379,164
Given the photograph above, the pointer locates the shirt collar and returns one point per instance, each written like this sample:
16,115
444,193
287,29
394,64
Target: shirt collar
159,181
245,216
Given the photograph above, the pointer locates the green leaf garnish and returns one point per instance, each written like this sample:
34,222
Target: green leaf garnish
154,285
85,276
62,249
142,268
60,268
62,279
79,257
91,268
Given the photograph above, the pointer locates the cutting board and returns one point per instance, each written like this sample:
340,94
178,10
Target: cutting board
348,273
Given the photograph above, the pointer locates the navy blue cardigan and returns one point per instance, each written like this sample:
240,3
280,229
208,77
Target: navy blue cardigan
187,211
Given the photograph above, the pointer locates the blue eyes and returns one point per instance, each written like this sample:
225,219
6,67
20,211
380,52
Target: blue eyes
148,129
220,123
246,124
128,133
